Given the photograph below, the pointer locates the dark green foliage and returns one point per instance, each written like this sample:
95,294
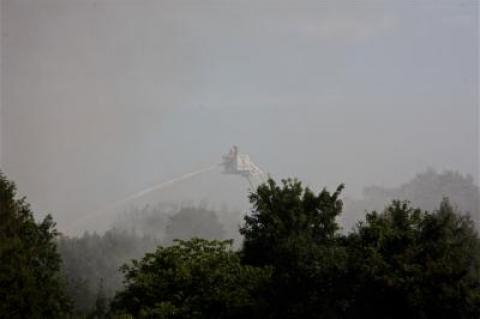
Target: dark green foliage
287,219
191,279
295,263
30,281
406,263
92,258
402,263
295,231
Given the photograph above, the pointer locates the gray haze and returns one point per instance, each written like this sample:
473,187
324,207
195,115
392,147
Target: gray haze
101,99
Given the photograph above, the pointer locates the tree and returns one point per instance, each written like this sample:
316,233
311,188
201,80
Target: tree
100,309
190,222
406,263
93,260
401,263
191,279
288,218
425,190
295,232
30,281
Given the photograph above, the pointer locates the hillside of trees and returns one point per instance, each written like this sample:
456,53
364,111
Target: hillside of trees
425,191
166,221
295,262
91,262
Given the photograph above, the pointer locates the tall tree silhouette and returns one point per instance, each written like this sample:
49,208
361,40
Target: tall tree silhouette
30,281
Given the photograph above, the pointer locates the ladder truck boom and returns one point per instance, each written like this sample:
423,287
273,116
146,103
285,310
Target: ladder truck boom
235,163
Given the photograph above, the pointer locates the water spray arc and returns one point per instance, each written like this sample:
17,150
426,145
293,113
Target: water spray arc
162,186
233,163
112,208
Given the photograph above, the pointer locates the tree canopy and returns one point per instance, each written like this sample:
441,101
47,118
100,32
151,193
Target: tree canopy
406,263
295,232
425,191
93,260
30,282
190,279
296,263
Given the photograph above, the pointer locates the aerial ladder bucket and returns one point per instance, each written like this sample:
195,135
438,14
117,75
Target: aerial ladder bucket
235,163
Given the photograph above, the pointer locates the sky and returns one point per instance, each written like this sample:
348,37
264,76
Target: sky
101,99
